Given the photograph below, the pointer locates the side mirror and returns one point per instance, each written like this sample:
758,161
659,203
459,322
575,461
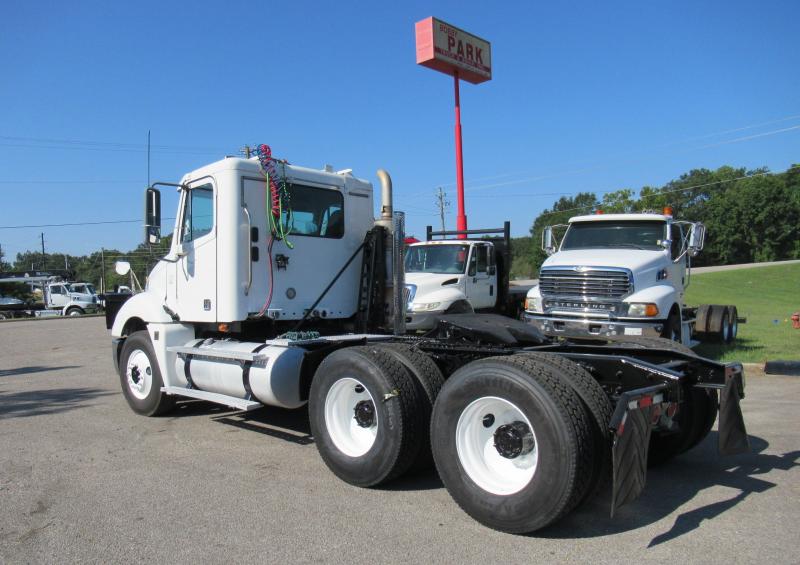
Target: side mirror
547,241
696,239
152,216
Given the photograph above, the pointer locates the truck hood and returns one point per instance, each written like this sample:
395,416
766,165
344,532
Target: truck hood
636,260
429,284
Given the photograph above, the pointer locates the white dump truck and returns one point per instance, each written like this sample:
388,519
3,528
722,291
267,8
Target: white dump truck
281,289
624,275
455,275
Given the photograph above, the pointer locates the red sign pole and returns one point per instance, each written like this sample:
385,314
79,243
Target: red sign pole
461,218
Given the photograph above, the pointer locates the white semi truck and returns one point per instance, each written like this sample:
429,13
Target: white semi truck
280,289
624,275
447,276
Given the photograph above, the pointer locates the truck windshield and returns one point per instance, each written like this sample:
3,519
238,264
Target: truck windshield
443,259
603,234
82,288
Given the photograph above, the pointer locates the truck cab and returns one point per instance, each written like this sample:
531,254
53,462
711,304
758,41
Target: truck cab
456,276
451,276
616,274
70,299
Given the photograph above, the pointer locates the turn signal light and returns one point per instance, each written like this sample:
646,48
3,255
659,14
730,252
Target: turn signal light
651,310
224,328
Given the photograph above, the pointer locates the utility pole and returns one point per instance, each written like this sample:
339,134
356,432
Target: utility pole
44,258
246,150
442,203
102,270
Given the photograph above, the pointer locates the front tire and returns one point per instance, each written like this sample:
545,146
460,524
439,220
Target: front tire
365,415
74,312
140,377
512,443
672,328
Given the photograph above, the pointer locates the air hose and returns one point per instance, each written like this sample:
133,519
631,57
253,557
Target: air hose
278,203
279,199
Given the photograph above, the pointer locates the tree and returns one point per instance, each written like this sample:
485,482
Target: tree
749,215
562,211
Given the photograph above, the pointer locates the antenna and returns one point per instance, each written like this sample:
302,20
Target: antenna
148,157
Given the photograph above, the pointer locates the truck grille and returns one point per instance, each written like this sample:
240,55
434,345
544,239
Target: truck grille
594,283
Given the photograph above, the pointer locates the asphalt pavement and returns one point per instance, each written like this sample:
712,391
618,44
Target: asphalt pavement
84,479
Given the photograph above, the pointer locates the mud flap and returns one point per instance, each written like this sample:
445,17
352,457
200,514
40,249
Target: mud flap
632,424
732,432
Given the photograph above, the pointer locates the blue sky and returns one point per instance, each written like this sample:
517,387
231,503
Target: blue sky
585,96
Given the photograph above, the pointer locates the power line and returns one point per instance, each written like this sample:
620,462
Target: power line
659,193
419,195
73,224
111,144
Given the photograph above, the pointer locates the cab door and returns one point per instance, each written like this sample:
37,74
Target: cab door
677,270
481,293
58,296
196,265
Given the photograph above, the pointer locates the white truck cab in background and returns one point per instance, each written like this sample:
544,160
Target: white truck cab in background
69,299
456,276
620,274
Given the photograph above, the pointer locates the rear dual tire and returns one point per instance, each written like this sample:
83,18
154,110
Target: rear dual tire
717,323
695,416
366,415
512,443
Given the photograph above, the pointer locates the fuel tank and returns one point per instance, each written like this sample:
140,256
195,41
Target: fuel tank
273,380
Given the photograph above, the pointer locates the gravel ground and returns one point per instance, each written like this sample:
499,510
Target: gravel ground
84,479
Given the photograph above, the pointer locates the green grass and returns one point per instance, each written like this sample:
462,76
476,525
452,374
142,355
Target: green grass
767,297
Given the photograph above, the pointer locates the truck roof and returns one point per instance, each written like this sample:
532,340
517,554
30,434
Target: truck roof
620,217
339,179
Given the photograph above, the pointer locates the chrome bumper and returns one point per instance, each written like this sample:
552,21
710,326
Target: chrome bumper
592,327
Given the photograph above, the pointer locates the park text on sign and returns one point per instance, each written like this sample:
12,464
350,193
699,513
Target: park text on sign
450,50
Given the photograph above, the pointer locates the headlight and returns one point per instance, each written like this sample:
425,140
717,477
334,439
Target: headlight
642,309
425,306
533,304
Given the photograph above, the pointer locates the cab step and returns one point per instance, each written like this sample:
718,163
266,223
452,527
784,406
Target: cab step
225,400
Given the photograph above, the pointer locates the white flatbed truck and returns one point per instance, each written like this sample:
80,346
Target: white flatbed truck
59,298
451,276
280,289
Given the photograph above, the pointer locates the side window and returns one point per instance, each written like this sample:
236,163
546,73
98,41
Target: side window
676,235
198,218
482,258
315,212
57,289
473,263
